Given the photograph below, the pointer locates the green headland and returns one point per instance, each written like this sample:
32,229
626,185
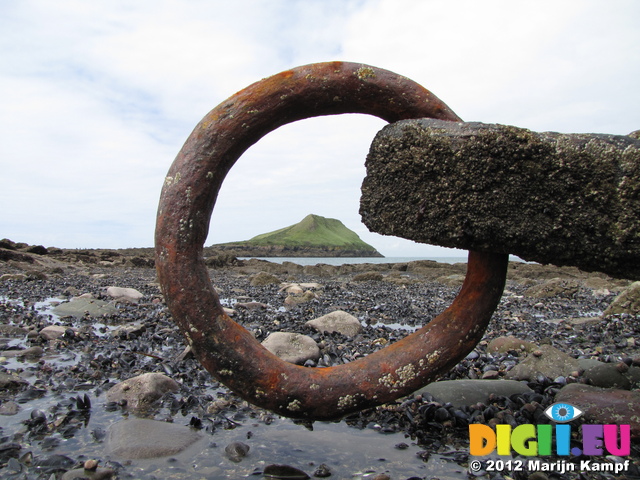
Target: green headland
313,236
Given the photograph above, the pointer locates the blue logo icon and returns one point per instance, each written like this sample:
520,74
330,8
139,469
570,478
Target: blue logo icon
562,412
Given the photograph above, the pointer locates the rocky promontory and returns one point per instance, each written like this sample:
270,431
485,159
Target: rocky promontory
313,236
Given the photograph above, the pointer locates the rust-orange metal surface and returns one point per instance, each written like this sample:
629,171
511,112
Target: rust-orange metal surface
229,351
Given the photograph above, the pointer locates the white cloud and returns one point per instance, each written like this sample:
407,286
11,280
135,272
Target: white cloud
98,97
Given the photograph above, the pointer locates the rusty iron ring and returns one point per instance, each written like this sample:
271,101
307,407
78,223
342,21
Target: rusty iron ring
227,350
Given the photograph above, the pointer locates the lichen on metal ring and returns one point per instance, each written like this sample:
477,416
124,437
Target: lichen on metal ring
227,350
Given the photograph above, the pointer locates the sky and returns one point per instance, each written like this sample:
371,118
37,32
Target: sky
97,98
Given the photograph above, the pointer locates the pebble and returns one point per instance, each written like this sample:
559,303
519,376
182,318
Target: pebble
236,451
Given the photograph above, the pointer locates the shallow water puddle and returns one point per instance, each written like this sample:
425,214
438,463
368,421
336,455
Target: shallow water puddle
348,453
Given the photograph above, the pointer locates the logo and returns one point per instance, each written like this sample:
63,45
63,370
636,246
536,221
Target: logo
533,440
562,412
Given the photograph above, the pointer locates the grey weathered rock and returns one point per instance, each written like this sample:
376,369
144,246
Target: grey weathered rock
627,302
468,392
236,451
81,306
141,438
546,197
142,391
368,277
125,294
293,300
292,347
16,277
51,332
263,278
547,361
506,344
12,331
9,408
337,321
12,382
130,330
609,375
556,287
30,352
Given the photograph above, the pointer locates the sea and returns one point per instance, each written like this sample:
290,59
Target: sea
355,260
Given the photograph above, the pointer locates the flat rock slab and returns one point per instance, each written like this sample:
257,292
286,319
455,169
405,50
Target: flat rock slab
138,438
469,392
564,199
80,306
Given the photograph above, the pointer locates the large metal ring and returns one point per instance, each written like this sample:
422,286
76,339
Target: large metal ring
229,351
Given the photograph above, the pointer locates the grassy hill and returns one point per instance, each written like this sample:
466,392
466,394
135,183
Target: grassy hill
312,236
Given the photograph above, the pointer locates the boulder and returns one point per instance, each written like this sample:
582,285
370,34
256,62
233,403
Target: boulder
9,382
143,391
12,331
337,321
611,375
547,361
293,300
556,287
52,332
124,294
9,408
564,199
137,438
368,277
261,279
292,347
627,302
469,392
31,352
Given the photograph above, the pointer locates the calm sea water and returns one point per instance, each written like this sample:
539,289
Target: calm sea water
352,260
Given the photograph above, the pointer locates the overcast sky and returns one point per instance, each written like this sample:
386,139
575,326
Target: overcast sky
97,98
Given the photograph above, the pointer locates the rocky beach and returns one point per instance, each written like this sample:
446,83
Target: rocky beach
97,382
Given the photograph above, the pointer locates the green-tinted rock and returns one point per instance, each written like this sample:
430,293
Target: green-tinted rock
627,302
81,306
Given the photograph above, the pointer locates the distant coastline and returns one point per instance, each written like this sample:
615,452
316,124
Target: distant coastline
356,260
313,236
